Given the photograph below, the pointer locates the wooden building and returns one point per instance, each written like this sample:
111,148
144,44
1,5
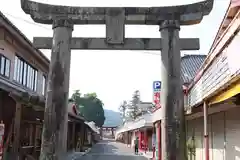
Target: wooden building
213,121
81,134
147,127
23,74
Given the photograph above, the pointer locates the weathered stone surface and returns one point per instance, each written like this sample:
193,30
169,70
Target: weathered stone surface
129,44
115,26
63,23
171,93
186,14
54,139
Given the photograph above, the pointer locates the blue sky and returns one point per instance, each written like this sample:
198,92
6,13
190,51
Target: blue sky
114,75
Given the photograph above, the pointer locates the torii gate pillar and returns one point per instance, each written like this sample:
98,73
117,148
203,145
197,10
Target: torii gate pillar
171,125
57,92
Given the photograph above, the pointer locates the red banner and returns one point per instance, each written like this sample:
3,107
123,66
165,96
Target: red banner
156,99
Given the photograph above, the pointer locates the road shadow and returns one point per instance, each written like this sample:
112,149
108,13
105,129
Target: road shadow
111,150
104,147
111,157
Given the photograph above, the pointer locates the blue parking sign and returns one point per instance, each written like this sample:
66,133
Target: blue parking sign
157,85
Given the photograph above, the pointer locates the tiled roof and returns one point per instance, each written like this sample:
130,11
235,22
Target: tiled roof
190,64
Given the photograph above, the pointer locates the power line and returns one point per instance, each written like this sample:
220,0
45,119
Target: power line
35,24
26,21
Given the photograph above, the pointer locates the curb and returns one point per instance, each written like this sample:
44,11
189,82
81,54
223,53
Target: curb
87,151
146,156
78,156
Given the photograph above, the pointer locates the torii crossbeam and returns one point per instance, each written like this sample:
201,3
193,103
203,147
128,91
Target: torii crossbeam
169,20
153,44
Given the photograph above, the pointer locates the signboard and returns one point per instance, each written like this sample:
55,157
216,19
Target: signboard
2,127
156,93
156,85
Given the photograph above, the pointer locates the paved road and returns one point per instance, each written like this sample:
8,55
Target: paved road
111,150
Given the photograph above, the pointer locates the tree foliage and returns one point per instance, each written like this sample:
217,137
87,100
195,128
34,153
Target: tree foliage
131,111
133,108
122,109
90,106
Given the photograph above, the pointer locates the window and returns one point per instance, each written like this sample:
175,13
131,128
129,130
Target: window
43,84
25,74
4,66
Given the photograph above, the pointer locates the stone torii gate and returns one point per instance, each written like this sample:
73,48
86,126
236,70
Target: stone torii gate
63,18
103,129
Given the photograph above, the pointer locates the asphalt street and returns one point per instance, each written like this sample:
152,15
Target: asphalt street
111,150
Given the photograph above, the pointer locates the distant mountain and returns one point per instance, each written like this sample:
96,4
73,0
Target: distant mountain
112,118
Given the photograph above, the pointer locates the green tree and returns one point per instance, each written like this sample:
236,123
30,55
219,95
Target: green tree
122,109
76,97
133,108
90,106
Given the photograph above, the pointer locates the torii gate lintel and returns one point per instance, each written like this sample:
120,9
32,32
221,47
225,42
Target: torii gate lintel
186,14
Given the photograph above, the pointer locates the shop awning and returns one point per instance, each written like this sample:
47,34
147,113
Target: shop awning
144,121
17,92
231,91
92,126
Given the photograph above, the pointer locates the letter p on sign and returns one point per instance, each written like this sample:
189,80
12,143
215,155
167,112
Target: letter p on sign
157,85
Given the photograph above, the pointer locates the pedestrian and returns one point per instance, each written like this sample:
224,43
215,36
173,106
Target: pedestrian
136,145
